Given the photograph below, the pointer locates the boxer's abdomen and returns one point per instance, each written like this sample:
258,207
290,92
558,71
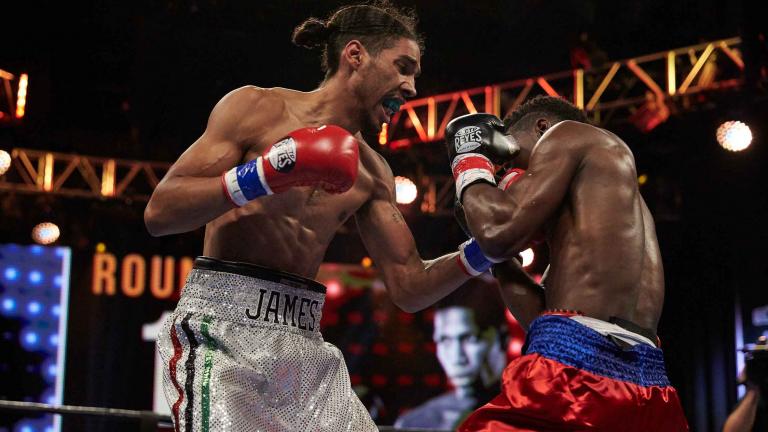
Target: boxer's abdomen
289,232
597,243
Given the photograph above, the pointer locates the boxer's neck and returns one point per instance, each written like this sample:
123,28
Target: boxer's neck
334,103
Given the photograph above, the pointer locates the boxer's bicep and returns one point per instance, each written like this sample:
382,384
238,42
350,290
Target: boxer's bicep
190,194
505,222
542,191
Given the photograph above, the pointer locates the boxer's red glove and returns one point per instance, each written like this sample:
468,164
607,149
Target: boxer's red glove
510,177
326,157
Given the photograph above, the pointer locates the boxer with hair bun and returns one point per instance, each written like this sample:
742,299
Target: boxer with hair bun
274,176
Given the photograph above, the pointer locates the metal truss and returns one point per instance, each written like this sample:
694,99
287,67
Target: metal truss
13,96
71,175
615,91
619,90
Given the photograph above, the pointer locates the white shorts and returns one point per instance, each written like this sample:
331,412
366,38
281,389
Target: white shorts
243,352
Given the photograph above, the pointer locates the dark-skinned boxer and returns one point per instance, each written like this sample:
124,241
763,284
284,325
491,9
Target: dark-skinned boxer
591,360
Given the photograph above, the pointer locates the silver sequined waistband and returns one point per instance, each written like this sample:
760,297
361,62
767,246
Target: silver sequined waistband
252,301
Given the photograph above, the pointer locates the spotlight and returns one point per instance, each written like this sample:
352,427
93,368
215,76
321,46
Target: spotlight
35,277
45,233
5,161
30,339
11,273
9,304
734,136
34,308
21,97
333,289
366,262
527,256
383,134
405,190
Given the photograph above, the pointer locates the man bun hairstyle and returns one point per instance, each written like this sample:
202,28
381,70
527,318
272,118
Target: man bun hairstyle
312,33
555,108
376,25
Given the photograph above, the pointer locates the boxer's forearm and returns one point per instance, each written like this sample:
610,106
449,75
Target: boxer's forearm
493,217
424,283
181,204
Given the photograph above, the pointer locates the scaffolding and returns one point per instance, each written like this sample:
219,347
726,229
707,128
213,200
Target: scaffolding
71,175
618,90
13,96
621,89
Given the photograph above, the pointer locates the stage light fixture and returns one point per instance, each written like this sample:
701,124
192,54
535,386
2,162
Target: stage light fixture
5,161
383,134
35,277
11,273
527,256
21,96
9,304
734,136
30,339
333,289
405,190
34,308
45,233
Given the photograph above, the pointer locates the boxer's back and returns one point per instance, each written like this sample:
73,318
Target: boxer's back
292,230
604,254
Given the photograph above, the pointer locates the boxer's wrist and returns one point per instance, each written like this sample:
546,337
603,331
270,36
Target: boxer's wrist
245,182
471,258
471,168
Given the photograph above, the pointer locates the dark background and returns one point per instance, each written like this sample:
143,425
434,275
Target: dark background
138,79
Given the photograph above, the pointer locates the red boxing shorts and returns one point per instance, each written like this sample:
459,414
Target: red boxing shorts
573,378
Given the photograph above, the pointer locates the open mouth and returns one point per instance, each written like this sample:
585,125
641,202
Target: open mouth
391,106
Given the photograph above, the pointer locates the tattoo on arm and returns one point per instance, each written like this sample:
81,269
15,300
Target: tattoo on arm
397,216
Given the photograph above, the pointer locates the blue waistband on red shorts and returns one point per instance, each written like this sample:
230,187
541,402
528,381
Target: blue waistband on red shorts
566,341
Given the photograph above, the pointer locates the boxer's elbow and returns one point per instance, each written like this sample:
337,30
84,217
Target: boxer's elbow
402,298
154,221
496,241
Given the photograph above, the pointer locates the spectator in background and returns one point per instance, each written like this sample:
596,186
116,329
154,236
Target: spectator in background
750,413
470,333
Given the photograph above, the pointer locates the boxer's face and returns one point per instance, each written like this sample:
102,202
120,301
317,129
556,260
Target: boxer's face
461,348
386,80
526,138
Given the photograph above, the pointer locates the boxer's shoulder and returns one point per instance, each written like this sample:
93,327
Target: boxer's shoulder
249,105
573,136
378,172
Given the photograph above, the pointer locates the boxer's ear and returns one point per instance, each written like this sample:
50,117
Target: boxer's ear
353,53
542,125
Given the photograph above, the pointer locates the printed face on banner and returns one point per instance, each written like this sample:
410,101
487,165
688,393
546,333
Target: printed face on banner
461,348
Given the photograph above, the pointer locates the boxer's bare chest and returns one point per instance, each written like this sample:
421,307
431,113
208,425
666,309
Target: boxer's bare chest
302,218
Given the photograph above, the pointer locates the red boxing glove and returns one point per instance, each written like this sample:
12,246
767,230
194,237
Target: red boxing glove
510,177
326,157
